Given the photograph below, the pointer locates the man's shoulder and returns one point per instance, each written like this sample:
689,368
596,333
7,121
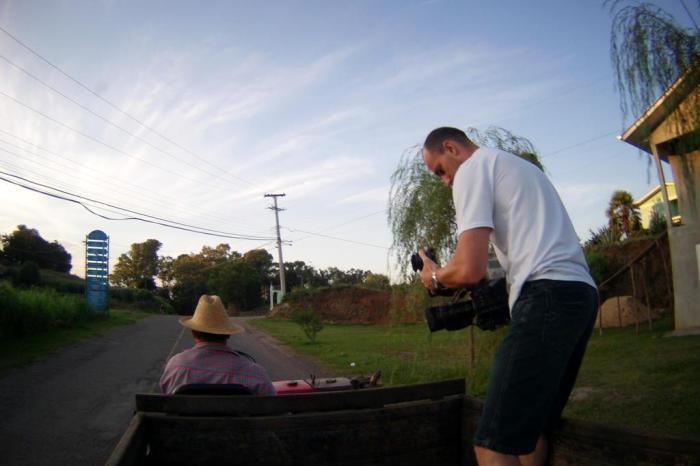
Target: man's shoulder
183,356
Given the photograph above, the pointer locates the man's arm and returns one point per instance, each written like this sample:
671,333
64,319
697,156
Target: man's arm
467,266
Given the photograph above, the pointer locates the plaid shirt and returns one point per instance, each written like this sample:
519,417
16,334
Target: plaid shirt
209,362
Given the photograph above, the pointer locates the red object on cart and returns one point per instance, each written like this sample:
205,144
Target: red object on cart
292,387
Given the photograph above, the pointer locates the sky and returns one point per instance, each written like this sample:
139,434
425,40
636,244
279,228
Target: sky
191,111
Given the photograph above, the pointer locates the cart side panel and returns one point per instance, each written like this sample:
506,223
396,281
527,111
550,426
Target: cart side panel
131,449
427,432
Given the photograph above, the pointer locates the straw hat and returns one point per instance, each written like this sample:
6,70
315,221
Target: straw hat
211,317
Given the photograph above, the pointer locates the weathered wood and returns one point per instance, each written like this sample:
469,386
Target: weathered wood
634,300
399,432
425,432
667,275
646,291
631,262
212,405
619,313
131,449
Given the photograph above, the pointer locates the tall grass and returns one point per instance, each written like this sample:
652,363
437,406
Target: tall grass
23,312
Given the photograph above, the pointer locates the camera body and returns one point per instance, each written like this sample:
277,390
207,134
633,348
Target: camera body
417,264
486,306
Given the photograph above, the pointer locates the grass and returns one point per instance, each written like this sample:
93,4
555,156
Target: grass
643,381
23,350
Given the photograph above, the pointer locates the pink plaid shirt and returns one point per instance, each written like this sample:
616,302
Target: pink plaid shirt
209,362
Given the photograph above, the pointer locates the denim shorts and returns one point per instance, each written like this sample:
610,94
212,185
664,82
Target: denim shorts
536,364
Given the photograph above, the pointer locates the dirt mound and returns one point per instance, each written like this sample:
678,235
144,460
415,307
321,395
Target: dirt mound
620,311
347,304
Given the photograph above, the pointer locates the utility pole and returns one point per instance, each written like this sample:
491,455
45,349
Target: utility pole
283,283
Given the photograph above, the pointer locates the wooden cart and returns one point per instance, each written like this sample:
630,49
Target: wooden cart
424,424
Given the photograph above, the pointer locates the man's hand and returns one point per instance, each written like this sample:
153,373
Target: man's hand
467,266
426,274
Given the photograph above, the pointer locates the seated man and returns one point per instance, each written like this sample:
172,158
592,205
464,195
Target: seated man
211,360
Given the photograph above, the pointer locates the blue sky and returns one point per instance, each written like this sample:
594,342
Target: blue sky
315,99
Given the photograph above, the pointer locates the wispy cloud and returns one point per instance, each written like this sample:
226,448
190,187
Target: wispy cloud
376,195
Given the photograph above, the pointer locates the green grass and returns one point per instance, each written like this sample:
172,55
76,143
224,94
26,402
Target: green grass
23,350
642,381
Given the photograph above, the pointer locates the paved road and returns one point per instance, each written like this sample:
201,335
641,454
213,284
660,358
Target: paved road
72,407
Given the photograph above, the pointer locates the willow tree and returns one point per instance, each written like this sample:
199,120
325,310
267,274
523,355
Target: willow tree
649,51
421,213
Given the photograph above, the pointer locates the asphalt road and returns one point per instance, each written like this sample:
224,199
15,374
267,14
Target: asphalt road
72,407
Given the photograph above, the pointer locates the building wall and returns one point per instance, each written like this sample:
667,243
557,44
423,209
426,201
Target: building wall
656,203
685,239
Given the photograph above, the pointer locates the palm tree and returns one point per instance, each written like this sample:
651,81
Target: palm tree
623,216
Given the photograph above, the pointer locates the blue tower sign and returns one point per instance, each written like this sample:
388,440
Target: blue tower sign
97,270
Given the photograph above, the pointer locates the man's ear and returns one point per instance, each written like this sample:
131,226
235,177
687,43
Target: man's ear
449,147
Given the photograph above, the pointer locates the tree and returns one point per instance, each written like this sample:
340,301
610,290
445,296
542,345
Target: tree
421,212
217,255
190,282
309,322
623,216
376,281
238,284
165,271
260,260
138,267
649,50
26,244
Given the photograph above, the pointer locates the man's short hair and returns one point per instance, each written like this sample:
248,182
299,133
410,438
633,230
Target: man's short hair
211,337
439,135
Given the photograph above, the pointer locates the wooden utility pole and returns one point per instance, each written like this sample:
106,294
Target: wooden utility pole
283,283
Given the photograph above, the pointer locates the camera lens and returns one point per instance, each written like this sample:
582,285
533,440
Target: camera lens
450,317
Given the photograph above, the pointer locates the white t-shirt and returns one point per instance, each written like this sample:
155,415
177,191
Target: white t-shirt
531,232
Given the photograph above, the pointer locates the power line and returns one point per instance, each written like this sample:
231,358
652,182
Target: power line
83,166
340,224
336,238
130,211
171,224
579,144
114,106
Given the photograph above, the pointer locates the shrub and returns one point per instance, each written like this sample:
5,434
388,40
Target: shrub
309,322
9,308
657,223
28,274
63,283
599,266
300,294
140,299
30,311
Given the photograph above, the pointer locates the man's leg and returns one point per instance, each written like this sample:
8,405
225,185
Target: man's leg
486,457
537,457
517,401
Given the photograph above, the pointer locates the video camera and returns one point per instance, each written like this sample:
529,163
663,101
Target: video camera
486,304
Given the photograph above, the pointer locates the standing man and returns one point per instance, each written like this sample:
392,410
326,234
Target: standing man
506,200
211,360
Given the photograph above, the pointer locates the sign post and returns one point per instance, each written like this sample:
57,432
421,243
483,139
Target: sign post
97,270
